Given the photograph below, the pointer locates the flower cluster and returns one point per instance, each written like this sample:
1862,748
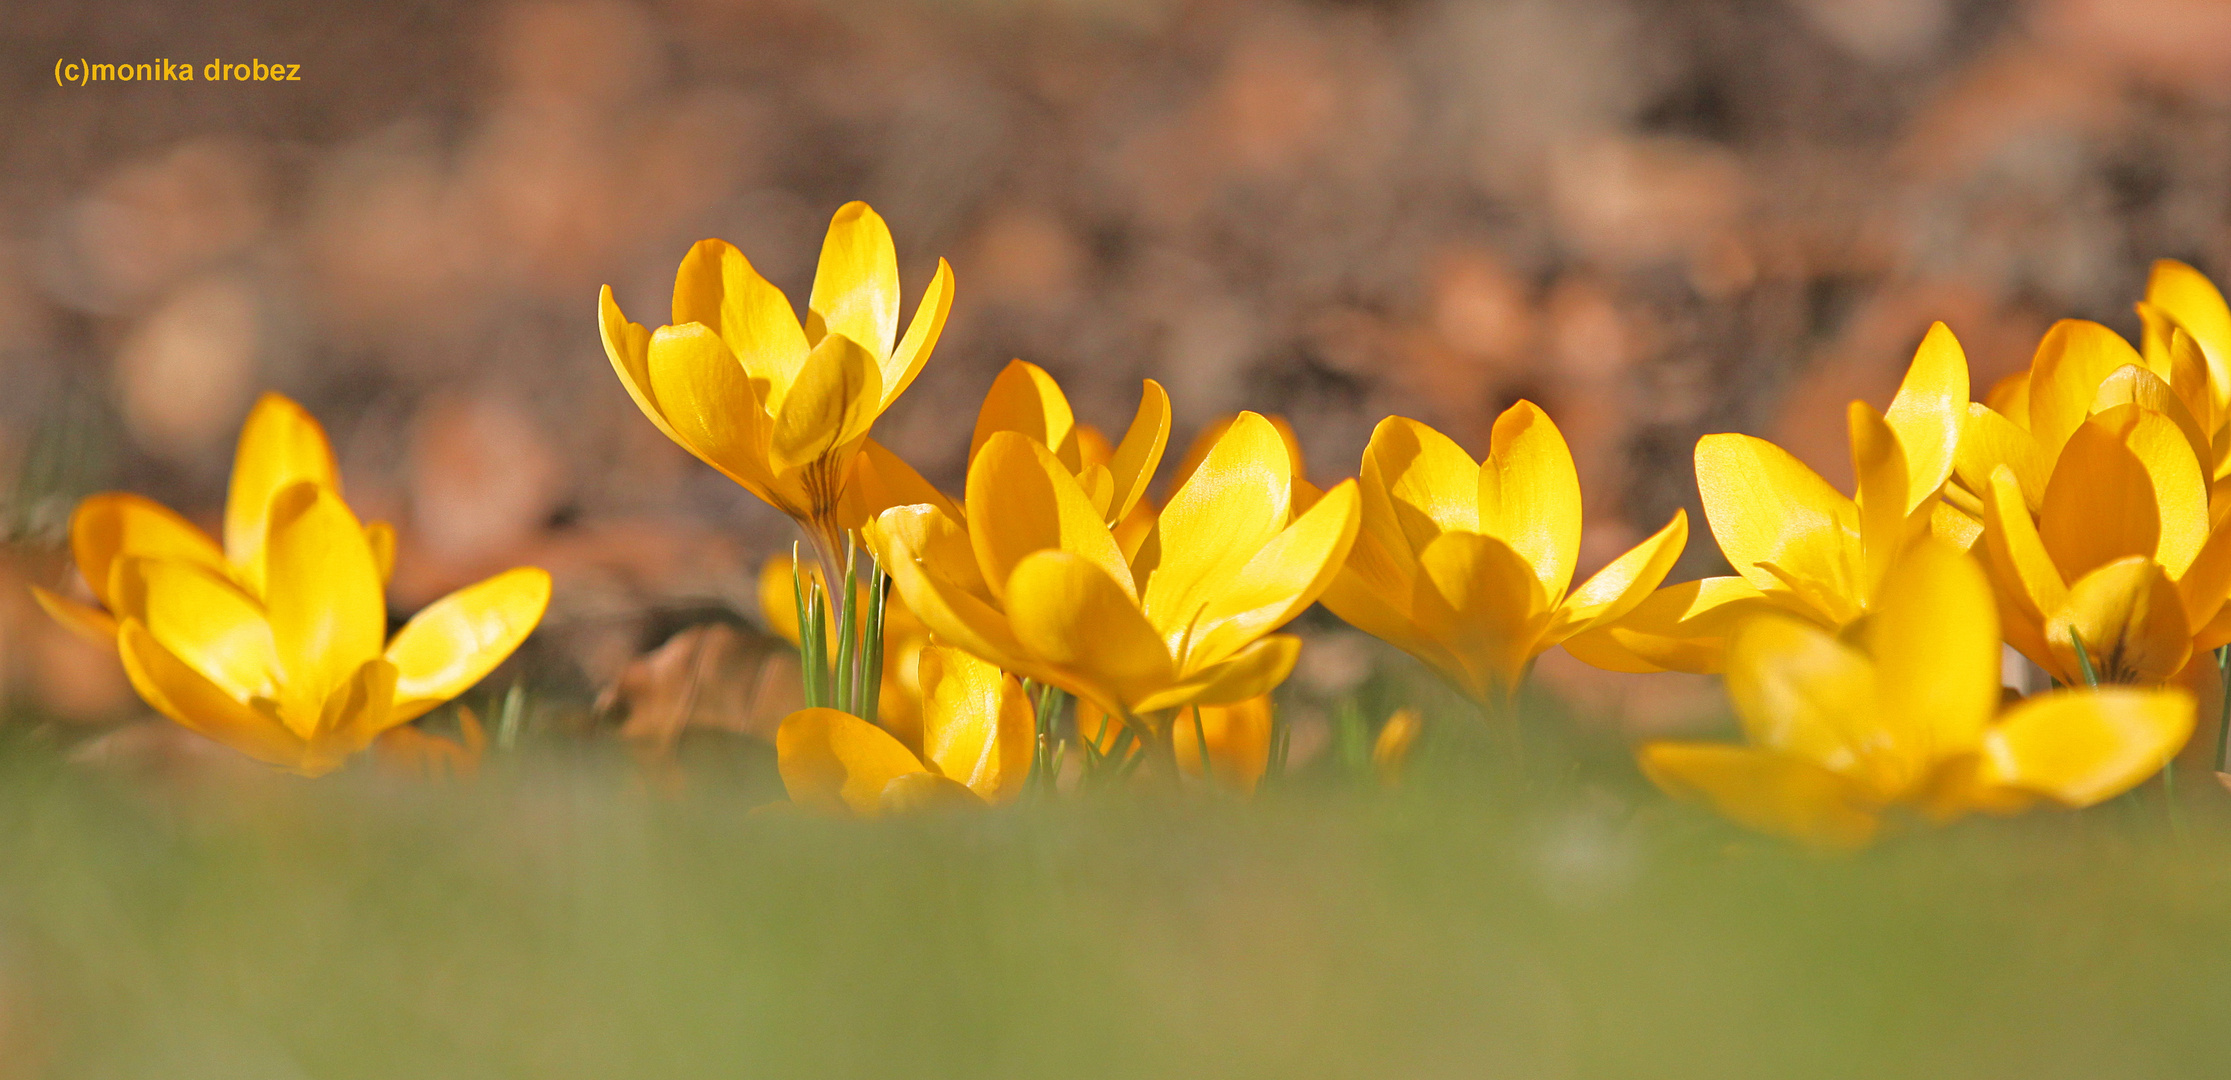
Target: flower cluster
2079,514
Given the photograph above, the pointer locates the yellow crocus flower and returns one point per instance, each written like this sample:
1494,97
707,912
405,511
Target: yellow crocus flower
1468,565
780,407
1905,711
280,445
304,676
978,728
1797,544
1035,581
2180,299
1024,399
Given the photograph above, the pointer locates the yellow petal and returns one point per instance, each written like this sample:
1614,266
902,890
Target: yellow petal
203,618
881,480
1934,638
2173,471
836,762
1206,439
1391,750
90,623
1626,582
1132,464
1479,599
322,595
913,351
2073,359
1226,512
1960,528
1021,500
925,793
717,288
177,691
1069,613
978,727
457,640
380,536
2189,379
1773,793
354,714
2131,620
1881,467
1027,401
2010,398
1428,484
628,346
1766,507
280,446
837,395
708,402
113,524
2016,554
2207,582
934,573
1800,691
1251,672
2099,505
1382,608
1530,495
2083,747
2197,306
1238,739
1929,412
2133,388
1678,628
1279,582
1991,440
856,287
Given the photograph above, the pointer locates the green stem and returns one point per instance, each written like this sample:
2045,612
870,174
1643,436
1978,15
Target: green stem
871,643
2083,658
1200,742
2223,711
848,603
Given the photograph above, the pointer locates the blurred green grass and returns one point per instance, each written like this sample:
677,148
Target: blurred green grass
559,919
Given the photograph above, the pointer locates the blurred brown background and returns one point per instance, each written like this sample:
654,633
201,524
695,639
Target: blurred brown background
1656,218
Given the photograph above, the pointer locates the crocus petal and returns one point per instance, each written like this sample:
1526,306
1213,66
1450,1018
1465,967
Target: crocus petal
1765,506
114,524
1027,401
1800,691
922,333
174,689
457,640
2131,620
1068,612
203,618
2136,389
2083,747
1991,440
322,595
2207,582
2072,360
281,445
978,727
1230,507
354,714
1281,581
838,393
1133,462
90,623
2189,379
717,288
2173,471
1773,793
1251,672
1237,736
1382,610
2198,307
836,762
1881,468
1479,599
1623,584
2016,553
1206,439
1530,495
1430,485
708,402
1021,500
925,793
856,287
1934,638
881,480
628,346
380,537
931,566
2010,397
1678,628
1929,412
2099,505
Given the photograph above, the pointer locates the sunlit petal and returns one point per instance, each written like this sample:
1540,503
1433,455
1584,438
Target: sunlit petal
1022,500
1027,401
1135,458
1765,506
1678,628
2099,505
1530,495
1934,639
113,524
977,724
1773,793
1625,583
203,618
836,397
2072,360
281,445
1282,579
323,597
718,288
837,763
708,402
856,286
1800,691
457,640
1068,612
2082,747
922,332
184,695
1929,412
1230,507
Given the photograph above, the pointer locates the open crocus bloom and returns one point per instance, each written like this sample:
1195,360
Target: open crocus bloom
1035,581
1466,565
280,446
304,676
780,407
1027,401
977,733
1797,544
1905,711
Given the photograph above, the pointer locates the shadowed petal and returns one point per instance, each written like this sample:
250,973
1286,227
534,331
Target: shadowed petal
1027,401
836,397
2099,506
716,287
836,762
176,690
709,403
1069,613
1800,691
1934,638
1021,500
977,724
1132,464
1678,628
2131,620
1250,672
280,446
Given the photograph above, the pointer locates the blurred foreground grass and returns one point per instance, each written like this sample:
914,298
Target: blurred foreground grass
556,920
